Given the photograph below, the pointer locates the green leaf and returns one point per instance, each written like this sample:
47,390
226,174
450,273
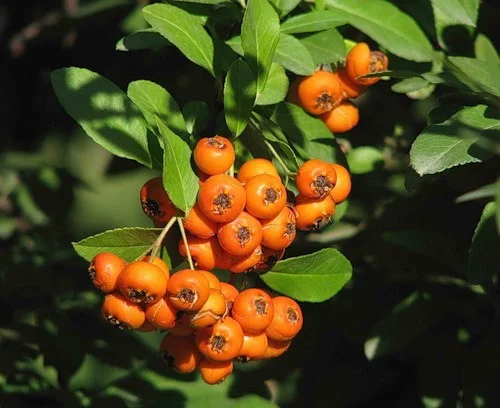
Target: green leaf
479,76
285,6
147,39
365,159
310,278
276,86
184,31
325,47
179,179
489,190
239,96
485,50
154,101
294,56
8,225
128,243
389,26
314,21
197,115
484,255
440,147
259,38
104,112
410,85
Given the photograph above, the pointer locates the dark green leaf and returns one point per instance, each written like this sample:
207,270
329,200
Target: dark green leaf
104,112
148,39
197,115
8,225
410,85
128,243
285,6
184,31
239,96
310,278
485,50
294,56
389,26
479,76
489,190
276,87
259,38
314,21
325,47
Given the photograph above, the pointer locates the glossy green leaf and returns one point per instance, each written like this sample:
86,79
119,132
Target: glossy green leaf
154,101
128,243
104,112
239,96
490,190
196,115
179,179
310,278
410,85
452,13
479,76
485,50
259,38
314,21
389,26
285,6
365,159
325,47
147,39
276,87
294,56
184,31
440,146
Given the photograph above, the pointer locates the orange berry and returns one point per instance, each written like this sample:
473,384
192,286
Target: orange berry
275,349
287,320
342,118
188,290
269,258
197,223
121,312
230,293
162,314
253,310
240,236
248,262
213,309
142,282
220,342
279,232
160,263
202,251
202,177
214,155
319,92
266,196
180,353
155,202
104,270
222,198
343,187
182,325
146,327
214,372
213,281
361,61
254,346
313,213
292,96
315,178
350,89
256,167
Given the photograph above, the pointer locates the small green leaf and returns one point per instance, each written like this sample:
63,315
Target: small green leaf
259,38
479,76
325,47
276,87
314,21
184,31
365,159
197,115
239,96
179,179
127,243
104,112
294,56
147,39
285,6
310,278
485,50
410,85
389,26
489,190
8,225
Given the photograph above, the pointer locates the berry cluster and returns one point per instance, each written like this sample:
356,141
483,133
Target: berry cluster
326,94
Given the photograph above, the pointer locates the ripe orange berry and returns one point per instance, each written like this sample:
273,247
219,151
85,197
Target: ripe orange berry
121,312
104,270
214,155
254,346
269,258
182,325
162,314
275,348
142,282
197,223
342,118
202,177
253,310
313,213
266,196
240,236
159,263
214,372
247,263
361,61
292,92
279,232
188,290
315,178
222,198
223,259
343,187
350,89
213,309
256,167
287,320
230,292
180,353
319,92
220,342
202,251
213,281
146,327
155,202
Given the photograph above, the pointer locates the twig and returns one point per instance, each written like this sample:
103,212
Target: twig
184,239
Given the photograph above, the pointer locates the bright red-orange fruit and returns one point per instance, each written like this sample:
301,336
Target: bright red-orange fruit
162,314
230,293
121,312
275,349
155,201
214,372
313,213
197,223
188,290
142,282
104,270
180,353
342,118
240,236
256,167
319,92
254,346
220,342
269,258
253,310
350,89
212,310
214,155
279,232
343,186
315,178
287,320
362,61
266,196
160,263
248,262
203,251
